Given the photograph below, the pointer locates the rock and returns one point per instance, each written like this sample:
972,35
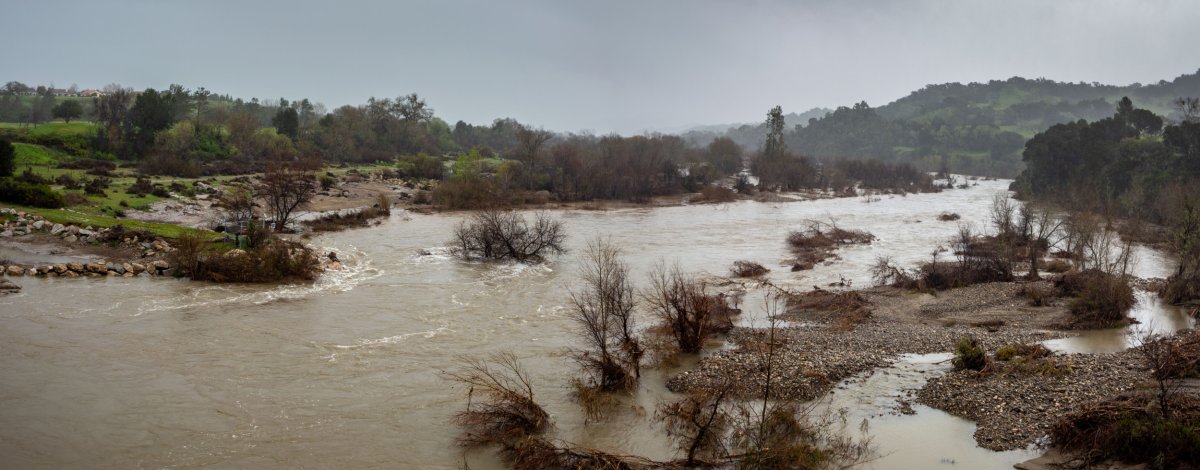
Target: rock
86,233
15,271
39,224
6,234
60,268
111,273
75,266
137,268
160,265
72,229
42,270
127,274
98,268
71,274
128,268
119,269
70,239
57,229
8,286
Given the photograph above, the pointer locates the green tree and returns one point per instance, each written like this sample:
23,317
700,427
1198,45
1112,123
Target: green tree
151,113
287,122
7,155
774,147
68,110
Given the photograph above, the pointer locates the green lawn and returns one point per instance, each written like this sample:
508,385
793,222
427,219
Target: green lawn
30,154
54,128
69,216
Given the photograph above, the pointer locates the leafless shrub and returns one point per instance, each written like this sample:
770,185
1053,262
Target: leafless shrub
285,186
507,414
948,216
819,240
1130,429
744,268
886,273
681,305
699,422
604,314
1039,295
494,234
845,310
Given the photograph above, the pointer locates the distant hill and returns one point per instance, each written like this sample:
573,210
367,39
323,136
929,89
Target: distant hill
749,135
977,128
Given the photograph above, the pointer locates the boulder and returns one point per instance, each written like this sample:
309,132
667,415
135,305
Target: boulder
137,268
42,270
114,267
6,234
86,233
8,286
127,267
160,265
75,266
60,268
57,229
111,273
15,271
72,229
70,239
39,224
98,268
71,274
127,274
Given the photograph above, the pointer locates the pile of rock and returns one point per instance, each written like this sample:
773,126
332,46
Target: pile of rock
24,224
94,269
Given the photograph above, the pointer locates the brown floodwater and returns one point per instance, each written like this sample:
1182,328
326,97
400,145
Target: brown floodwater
346,372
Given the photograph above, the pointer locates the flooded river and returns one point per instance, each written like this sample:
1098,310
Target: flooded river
345,373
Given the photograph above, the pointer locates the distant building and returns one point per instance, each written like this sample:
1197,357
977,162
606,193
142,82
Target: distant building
91,93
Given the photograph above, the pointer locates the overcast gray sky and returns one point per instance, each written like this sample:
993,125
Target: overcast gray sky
603,66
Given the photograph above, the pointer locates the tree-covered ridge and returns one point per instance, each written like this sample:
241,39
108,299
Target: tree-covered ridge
977,128
1128,164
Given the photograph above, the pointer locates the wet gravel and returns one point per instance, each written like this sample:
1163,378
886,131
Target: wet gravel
1015,410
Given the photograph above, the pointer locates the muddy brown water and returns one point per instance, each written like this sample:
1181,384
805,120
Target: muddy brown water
346,372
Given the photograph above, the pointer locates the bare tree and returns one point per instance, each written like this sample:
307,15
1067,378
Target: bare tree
1038,227
494,234
603,311
531,141
285,186
685,310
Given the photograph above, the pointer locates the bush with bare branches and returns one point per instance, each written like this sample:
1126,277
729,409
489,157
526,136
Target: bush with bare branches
689,314
604,314
818,241
744,268
508,414
494,234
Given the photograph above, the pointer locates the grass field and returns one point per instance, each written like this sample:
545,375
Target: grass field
54,128
30,154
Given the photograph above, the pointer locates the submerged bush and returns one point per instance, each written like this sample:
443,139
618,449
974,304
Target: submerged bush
271,260
743,268
495,235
